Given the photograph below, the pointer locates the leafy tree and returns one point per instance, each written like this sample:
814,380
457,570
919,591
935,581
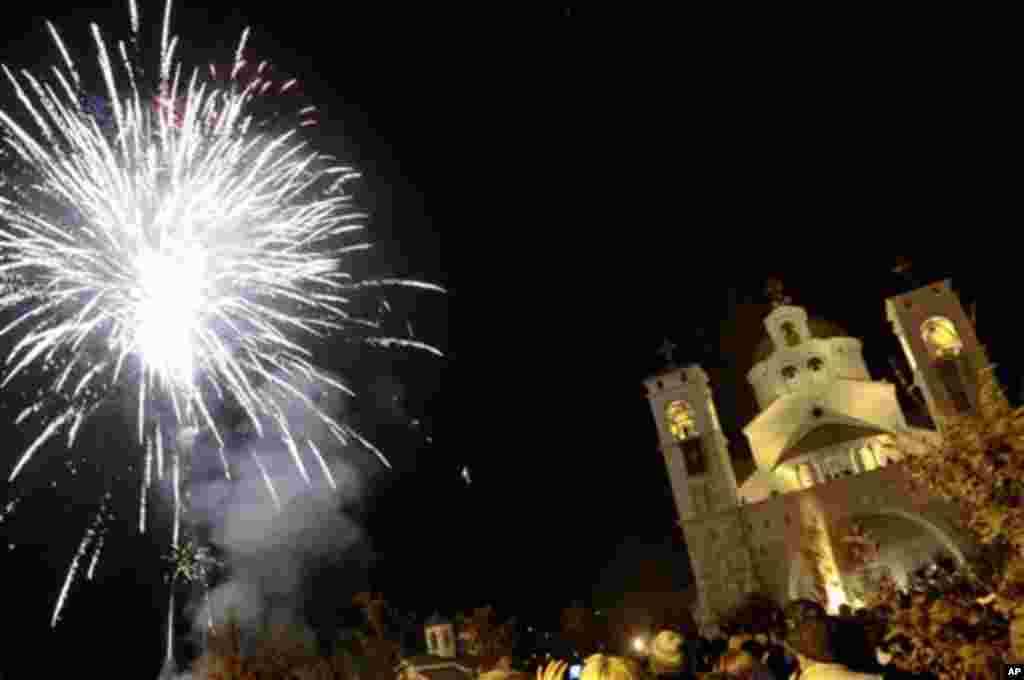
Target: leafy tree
964,622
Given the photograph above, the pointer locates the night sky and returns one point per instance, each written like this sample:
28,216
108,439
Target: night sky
591,209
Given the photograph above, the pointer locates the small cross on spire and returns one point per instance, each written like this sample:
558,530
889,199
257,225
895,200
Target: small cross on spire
667,349
775,290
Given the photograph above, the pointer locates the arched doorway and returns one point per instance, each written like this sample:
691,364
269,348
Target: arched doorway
907,542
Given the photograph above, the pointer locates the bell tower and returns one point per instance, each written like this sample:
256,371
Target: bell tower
940,345
691,440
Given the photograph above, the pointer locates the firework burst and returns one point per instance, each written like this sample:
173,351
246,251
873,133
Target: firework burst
158,241
184,255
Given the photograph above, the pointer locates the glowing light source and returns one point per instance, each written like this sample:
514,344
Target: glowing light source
941,337
680,419
169,310
836,597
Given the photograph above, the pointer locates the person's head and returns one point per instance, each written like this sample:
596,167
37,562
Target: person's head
604,667
666,653
736,640
739,664
753,648
807,630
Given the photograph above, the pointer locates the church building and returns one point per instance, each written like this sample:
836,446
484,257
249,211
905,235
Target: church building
820,446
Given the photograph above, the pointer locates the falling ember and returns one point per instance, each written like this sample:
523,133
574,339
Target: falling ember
146,481
83,547
95,557
169,658
177,498
8,509
323,463
269,482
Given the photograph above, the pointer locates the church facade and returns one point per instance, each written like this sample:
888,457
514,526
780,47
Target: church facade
821,443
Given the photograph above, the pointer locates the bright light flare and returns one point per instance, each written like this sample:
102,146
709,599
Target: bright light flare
169,310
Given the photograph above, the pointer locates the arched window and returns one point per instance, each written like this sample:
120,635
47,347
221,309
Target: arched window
433,640
681,422
945,345
941,338
789,333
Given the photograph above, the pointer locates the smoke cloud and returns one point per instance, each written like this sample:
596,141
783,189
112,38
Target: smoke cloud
270,552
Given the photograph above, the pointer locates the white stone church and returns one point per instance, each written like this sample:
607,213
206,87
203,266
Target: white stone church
818,446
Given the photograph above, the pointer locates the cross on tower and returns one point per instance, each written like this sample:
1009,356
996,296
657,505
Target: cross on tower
667,349
775,291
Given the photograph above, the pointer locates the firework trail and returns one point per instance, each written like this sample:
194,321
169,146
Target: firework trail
83,548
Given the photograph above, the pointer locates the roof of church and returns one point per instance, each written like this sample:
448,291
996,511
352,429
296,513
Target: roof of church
826,435
821,329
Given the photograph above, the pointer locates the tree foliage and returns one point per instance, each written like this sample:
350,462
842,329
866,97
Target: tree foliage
963,623
280,651
483,636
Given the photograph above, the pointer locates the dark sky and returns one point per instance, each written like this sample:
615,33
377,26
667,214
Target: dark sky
594,199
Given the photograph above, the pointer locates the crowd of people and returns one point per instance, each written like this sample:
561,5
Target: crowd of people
804,643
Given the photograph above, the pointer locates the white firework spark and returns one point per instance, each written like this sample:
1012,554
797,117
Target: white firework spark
83,548
6,511
186,254
192,562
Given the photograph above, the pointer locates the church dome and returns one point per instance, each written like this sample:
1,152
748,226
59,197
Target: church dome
821,329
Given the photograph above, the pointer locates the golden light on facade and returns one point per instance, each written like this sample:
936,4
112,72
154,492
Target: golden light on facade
681,423
941,337
826,568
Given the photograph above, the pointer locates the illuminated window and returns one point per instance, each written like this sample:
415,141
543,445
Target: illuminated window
868,459
941,337
789,372
433,640
680,419
815,363
789,333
